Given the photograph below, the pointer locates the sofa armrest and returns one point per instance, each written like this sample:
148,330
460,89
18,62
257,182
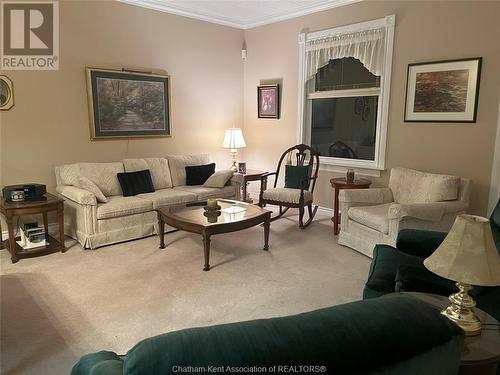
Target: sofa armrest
77,195
418,242
237,179
411,278
426,211
100,363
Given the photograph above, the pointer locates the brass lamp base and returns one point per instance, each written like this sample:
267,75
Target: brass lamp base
460,311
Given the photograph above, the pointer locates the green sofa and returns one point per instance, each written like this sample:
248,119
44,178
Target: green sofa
401,269
398,334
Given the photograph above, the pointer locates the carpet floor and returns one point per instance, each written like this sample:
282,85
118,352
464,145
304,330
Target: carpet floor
57,307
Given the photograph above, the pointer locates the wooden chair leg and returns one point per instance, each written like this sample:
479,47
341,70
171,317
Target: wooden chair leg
309,209
301,216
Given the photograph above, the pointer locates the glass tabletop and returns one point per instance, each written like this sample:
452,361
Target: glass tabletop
230,211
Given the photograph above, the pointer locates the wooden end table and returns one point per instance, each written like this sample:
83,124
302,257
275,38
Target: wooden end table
189,217
250,175
11,210
339,184
481,353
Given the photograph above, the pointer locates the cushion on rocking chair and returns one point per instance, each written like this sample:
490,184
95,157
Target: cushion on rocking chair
295,174
286,195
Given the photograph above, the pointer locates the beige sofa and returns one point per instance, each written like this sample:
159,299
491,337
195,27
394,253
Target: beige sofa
413,199
96,224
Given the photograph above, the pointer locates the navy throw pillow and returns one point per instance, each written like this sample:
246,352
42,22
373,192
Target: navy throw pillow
294,174
198,174
134,183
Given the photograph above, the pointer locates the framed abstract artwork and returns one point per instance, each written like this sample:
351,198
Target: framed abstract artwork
268,101
443,91
126,104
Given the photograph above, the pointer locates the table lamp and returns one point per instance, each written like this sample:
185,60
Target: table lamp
468,256
233,140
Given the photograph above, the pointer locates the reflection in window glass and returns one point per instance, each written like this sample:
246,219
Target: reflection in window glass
345,127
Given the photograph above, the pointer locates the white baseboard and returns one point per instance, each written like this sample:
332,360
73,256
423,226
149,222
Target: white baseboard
326,210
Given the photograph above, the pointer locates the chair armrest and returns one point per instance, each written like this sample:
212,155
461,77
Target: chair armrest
77,195
425,211
266,175
263,185
411,278
263,180
421,243
369,196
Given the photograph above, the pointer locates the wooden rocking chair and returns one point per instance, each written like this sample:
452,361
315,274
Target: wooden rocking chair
298,197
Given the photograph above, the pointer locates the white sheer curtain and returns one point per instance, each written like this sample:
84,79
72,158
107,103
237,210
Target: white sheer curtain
366,46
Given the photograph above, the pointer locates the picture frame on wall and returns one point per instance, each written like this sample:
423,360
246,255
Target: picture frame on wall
268,101
443,91
128,104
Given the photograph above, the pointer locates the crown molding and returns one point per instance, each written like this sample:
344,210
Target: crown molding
164,6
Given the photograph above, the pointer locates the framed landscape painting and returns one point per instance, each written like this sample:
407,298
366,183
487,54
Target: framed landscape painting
268,101
124,104
443,91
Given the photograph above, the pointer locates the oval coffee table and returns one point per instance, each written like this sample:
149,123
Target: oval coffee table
189,217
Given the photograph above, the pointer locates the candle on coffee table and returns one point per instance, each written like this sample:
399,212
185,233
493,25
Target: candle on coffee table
212,203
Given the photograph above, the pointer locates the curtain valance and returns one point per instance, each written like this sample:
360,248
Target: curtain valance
366,46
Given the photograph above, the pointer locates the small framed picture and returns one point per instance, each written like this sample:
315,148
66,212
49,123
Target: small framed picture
268,101
242,167
443,91
6,93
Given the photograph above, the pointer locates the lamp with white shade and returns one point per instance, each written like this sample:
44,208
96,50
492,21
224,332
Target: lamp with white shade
233,140
468,256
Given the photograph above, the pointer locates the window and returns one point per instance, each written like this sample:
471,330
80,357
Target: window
344,82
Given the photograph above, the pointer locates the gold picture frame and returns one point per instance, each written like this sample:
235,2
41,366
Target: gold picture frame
6,93
127,104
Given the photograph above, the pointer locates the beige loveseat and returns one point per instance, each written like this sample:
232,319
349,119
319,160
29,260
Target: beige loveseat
414,199
96,224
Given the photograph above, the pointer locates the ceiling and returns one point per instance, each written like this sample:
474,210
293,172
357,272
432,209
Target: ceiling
242,14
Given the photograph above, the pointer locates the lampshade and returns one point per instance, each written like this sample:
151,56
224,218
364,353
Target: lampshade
467,254
233,139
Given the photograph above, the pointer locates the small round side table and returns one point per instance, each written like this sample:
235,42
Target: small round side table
481,353
339,184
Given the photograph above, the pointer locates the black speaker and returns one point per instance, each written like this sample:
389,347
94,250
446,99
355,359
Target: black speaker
24,192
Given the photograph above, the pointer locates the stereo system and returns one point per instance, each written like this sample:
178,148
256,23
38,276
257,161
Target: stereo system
24,192
32,236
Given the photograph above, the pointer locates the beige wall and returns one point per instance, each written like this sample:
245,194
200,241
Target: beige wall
49,124
425,31
212,89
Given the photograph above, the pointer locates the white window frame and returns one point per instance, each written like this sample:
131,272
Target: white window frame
303,119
